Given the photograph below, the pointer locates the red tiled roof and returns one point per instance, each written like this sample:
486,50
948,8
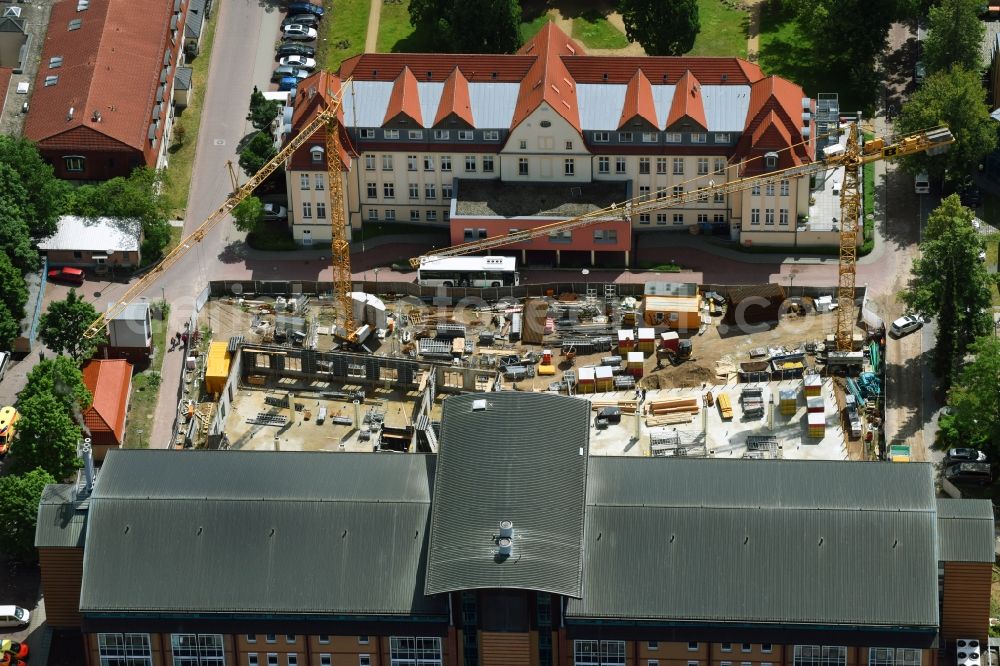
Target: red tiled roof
774,122
5,75
661,69
437,67
317,92
110,65
405,99
687,102
548,79
110,382
638,101
455,99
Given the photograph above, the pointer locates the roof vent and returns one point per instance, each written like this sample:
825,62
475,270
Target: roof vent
493,75
96,117
506,529
605,76
69,114
429,74
725,77
75,24
505,547
479,405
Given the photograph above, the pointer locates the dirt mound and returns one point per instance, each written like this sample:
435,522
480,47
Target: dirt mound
686,375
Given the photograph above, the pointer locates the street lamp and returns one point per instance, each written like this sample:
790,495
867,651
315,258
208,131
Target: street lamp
586,272
376,279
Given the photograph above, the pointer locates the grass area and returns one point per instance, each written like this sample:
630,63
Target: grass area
531,26
347,23
396,35
594,30
146,392
272,236
723,31
372,229
868,208
177,182
175,238
654,266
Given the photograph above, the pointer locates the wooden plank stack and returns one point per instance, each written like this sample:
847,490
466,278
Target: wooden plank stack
725,406
627,406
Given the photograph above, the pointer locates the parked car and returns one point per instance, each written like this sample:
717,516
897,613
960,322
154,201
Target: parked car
11,660
304,8
963,455
67,274
905,325
13,616
287,83
298,61
19,650
9,417
298,31
273,211
291,48
286,71
970,473
310,20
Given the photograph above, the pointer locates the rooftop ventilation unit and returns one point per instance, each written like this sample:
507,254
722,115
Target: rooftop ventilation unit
479,405
82,5
505,546
506,529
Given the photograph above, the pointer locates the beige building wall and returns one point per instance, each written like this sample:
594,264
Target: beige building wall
546,141
309,194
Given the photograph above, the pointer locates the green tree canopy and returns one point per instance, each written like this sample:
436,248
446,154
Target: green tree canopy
9,328
46,437
59,376
248,214
19,498
15,233
14,293
956,99
62,326
662,27
974,418
469,26
949,282
42,195
954,36
262,111
258,151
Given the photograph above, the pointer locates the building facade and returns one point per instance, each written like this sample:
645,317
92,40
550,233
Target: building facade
512,547
99,244
554,119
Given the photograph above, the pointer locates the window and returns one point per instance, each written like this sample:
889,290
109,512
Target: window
51,80
364,660
414,215
678,218
372,190
783,217
643,218
678,166
755,216
197,649
769,217
569,166
465,135
125,649
366,134
698,137
307,210
252,659
446,191
725,663
816,655
643,192
410,651
373,214
390,214
770,160
324,639
467,234
487,164
643,165
271,638
430,191
411,162
907,657
369,162
428,163
599,653
652,662
389,190
625,137
251,638
272,659
415,135
718,197
491,135
387,163
692,647
320,210
304,181
470,163
678,190
672,137
325,660
661,165
746,647
75,24
690,663
560,236
769,189
746,663
650,137
719,219
880,657
522,166
319,181
661,193
432,215
602,137
603,165
619,165
755,190
414,191
390,134
720,165
441,135
569,145
652,645
74,163
523,145
702,166
77,254
766,648
722,138
445,163
661,218
605,236
784,188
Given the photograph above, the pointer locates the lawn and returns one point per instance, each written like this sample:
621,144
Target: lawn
594,30
723,31
145,393
177,182
347,25
396,35
531,26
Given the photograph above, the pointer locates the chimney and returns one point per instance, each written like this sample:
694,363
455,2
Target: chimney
87,454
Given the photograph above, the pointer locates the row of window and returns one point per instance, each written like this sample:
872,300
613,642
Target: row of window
430,191
680,218
769,189
600,235
471,163
768,217
612,653
318,180
390,215
292,659
438,135
291,638
668,137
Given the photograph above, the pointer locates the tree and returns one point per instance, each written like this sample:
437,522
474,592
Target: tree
954,36
9,328
262,111
14,293
15,233
60,377
258,152
956,99
486,26
949,282
662,27
974,417
19,498
44,195
62,326
46,437
248,214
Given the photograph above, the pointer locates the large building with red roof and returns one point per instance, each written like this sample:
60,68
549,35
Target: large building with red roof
489,144
101,103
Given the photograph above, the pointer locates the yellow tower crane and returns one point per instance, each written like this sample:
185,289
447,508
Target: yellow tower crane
341,257
852,157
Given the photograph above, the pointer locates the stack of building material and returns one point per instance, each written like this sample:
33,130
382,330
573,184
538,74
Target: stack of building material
434,347
624,383
813,385
585,380
669,340
626,406
612,361
603,378
817,424
752,402
647,340
788,401
852,417
672,406
815,404
450,331
546,367
633,364
725,406
626,341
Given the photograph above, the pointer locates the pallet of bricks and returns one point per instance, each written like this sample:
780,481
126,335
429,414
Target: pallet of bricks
815,417
670,411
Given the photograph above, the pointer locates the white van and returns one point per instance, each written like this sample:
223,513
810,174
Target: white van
4,362
922,183
13,616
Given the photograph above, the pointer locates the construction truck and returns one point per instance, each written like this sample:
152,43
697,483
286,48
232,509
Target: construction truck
674,356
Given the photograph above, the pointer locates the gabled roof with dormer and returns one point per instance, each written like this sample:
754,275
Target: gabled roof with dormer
688,104
455,102
639,102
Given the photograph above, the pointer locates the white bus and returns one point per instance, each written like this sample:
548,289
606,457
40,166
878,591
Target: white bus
467,272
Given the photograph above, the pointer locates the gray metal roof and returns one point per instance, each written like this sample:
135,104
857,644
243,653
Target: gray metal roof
131,312
182,78
430,99
195,19
600,105
62,521
365,103
523,458
805,542
233,532
726,107
493,103
663,97
965,530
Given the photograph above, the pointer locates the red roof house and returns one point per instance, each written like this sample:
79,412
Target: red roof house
110,382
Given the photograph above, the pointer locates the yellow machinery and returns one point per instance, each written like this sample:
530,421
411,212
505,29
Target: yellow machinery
341,258
217,368
852,157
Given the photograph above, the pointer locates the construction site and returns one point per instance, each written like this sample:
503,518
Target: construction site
670,369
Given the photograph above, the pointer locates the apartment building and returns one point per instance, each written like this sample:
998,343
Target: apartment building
550,133
101,103
514,547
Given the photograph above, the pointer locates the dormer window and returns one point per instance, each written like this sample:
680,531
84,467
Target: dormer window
316,152
770,160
